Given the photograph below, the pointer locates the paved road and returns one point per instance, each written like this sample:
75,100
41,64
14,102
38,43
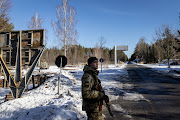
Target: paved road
162,95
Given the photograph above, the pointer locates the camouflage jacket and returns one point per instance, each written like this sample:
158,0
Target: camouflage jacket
90,95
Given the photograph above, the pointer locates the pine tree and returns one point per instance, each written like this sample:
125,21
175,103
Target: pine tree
5,25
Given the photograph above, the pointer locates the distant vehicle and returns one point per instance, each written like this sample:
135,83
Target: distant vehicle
173,63
137,60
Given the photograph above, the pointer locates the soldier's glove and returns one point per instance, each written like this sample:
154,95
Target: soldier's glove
101,94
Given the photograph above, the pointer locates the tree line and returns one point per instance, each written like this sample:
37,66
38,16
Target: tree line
164,46
78,54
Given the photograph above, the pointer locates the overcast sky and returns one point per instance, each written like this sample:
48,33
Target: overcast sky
120,22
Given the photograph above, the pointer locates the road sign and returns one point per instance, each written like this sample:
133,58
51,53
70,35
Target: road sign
101,60
58,61
123,48
61,61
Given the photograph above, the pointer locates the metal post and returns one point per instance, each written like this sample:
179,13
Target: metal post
101,67
18,74
59,77
25,80
3,83
29,73
33,81
58,81
115,55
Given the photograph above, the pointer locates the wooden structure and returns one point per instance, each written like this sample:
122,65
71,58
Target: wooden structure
31,42
20,48
35,80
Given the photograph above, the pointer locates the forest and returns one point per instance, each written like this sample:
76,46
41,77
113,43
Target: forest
78,54
165,45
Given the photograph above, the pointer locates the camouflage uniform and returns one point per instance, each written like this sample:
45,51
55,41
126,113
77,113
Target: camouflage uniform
90,95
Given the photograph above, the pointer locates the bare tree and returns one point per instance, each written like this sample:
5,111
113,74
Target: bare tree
35,22
64,27
158,50
165,43
102,41
98,50
159,43
4,6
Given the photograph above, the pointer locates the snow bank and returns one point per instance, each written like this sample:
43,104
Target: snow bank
3,93
133,96
44,103
174,70
1,77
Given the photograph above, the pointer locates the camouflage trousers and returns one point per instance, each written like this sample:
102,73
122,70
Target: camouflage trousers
95,115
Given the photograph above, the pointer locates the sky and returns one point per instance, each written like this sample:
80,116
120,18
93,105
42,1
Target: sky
120,22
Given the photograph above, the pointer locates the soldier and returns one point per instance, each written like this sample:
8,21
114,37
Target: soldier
91,96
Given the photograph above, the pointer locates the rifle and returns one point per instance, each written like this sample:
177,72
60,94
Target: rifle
106,99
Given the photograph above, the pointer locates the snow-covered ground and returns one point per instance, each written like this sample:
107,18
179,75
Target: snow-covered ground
44,103
3,92
174,70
